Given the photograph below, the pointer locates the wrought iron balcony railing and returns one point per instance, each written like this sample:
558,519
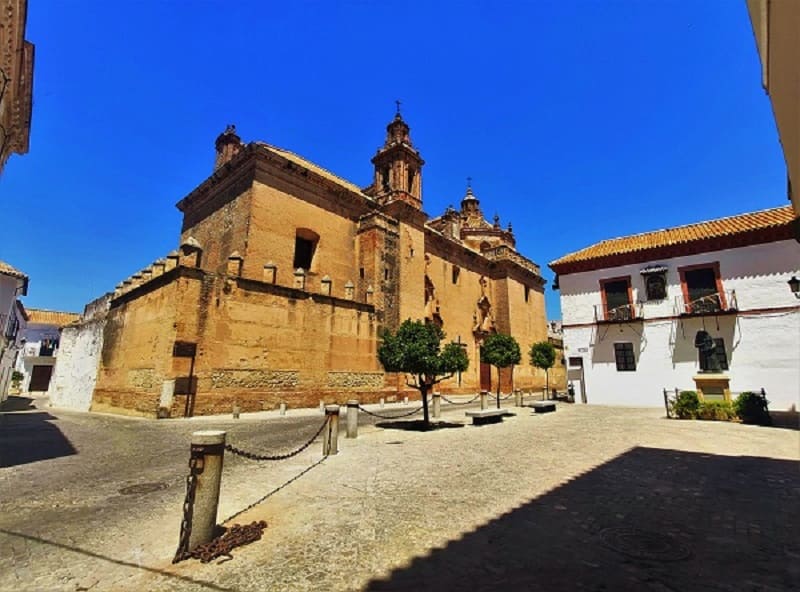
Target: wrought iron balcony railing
618,314
711,304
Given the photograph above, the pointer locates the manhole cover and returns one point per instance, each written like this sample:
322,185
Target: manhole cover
641,544
140,488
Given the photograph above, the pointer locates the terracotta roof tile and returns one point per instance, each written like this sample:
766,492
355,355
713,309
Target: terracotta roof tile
51,317
6,269
719,228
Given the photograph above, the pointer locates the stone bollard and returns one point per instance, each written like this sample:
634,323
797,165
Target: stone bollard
330,443
517,398
483,400
208,448
283,408
352,419
437,405
382,402
236,411
322,406
405,400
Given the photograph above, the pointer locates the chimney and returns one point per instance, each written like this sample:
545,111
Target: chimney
228,145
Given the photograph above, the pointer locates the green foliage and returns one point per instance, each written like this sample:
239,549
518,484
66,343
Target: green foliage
716,411
752,408
16,377
686,405
501,351
416,349
543,355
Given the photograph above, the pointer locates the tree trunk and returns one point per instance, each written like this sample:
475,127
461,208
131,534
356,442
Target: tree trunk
423,391
547,381
498,387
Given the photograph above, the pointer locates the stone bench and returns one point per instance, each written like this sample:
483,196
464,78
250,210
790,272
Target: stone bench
486,416
543,406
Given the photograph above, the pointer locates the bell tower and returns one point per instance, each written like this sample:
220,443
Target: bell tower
398,166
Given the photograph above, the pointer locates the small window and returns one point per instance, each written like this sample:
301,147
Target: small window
410,180
576,362
655,286
361,272
385,178
456,273
305,243
527,293
719,353
623,353
386,274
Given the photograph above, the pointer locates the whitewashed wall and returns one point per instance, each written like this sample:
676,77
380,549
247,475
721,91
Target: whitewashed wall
34,334
75,373
79,352
762,341
8,295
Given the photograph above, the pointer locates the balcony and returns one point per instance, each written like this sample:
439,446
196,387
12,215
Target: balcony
712,304
619,314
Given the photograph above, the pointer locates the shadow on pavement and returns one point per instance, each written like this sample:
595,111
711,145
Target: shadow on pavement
29,437
650,520
17,403
417,425
166,574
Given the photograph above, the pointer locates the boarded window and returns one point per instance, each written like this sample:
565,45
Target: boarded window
456,273
623,353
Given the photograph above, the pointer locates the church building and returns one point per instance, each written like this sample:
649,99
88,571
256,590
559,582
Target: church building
287,274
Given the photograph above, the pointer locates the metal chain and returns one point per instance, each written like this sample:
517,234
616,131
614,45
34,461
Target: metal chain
274,491
254,456
472,400
195,468
417,410
235,536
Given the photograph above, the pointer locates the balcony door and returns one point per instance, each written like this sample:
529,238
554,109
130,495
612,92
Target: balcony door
617,299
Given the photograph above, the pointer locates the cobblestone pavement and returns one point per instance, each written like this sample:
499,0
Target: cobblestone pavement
587,498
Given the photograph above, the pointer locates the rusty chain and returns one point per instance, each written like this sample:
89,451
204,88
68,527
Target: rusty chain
472,400
254,456
274,491
417,410
235,536
195,468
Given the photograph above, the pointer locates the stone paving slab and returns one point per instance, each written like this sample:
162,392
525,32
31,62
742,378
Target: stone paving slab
589,498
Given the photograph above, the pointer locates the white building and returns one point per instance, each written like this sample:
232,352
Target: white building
40,341
13,283
633,306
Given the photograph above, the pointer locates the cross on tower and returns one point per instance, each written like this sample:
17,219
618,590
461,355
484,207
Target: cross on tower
469,182
397,102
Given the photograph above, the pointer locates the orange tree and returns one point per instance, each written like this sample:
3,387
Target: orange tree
415,349
501,351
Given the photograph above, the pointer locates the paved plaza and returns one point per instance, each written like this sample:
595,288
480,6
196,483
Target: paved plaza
587,498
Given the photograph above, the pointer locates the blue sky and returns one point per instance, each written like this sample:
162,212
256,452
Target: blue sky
578,120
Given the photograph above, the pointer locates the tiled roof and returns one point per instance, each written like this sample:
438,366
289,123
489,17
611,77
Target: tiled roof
300,161
6,269
720,228
51,317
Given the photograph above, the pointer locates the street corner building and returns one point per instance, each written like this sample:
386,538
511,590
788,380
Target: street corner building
712,307
286,275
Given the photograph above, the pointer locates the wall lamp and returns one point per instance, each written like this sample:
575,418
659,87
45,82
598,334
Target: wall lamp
794,286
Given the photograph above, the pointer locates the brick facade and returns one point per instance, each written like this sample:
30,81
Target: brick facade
286,276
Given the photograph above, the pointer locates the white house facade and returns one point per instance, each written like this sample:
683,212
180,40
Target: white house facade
13,283
40,342
635,307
